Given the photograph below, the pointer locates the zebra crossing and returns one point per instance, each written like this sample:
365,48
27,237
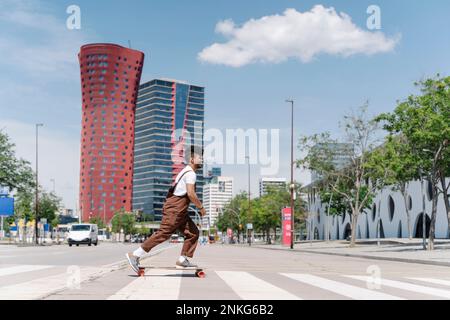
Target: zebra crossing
160,284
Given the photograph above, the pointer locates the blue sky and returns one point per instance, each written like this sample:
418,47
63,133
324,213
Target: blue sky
39,78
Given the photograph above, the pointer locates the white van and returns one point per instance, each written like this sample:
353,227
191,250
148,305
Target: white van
83,233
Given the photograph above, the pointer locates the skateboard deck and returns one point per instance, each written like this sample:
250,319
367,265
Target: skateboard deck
199,272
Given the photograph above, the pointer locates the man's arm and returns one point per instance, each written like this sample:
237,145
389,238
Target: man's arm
194,199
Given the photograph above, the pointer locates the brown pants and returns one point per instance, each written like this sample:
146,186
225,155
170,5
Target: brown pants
175,217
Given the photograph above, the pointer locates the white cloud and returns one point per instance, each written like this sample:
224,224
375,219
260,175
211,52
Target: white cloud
37,41
276,38
59,156
40,83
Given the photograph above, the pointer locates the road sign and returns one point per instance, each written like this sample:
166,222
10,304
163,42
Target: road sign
6,206
250,226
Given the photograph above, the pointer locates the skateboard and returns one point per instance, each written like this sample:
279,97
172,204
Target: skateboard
199,273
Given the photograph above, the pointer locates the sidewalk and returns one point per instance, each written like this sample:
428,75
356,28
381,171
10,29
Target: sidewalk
400,250
28,244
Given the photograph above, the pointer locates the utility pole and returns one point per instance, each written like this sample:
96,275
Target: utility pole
292,172
37,186
54,189
249,231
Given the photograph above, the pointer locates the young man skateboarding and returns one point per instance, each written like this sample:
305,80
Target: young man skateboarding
176,217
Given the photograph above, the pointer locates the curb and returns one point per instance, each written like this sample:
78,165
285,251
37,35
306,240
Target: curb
362,256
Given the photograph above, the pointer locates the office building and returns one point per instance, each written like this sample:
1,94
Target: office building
169,118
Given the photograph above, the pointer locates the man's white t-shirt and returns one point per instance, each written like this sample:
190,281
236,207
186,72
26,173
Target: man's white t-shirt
189,178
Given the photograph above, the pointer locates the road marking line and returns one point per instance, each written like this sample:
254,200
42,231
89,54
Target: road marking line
346,290
434,281
249,287
42,287
157,284
20,269
408,287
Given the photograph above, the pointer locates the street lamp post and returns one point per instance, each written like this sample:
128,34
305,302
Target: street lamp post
292,172
54,183
249,231
91,196
37,185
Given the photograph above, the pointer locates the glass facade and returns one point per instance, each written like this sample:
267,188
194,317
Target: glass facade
165,111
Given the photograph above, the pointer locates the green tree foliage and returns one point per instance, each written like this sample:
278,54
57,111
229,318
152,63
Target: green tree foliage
98,221
143,230
14,173
124,220
49,205
265,211
349,186
23,207
402,166
423,122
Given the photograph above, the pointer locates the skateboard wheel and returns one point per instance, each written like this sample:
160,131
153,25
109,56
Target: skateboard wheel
141,272
200,274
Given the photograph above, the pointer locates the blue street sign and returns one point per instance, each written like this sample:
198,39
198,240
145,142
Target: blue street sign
6,206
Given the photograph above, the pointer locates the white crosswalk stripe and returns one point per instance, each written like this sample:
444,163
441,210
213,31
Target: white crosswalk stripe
41,287
433,281
20,269
163,284
249,287
340,288
157,284
408,287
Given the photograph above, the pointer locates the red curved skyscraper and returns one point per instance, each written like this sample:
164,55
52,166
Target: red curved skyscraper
110,76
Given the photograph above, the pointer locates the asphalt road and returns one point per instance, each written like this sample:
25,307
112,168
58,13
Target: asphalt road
233,272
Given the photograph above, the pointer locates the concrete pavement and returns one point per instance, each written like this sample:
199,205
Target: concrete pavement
399,250
233,273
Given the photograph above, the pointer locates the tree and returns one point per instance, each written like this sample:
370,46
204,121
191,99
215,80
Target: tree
54,223
49,205
98,221
424,122
271,204
23,208
143,231
266,211
124,220
358,176
402,167
16,174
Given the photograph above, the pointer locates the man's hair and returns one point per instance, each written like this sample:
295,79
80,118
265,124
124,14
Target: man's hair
191,152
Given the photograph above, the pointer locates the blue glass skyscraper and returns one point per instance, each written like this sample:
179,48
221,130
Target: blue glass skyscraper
169,118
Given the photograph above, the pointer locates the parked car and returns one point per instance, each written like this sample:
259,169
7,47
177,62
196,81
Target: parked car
102,234
83,233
